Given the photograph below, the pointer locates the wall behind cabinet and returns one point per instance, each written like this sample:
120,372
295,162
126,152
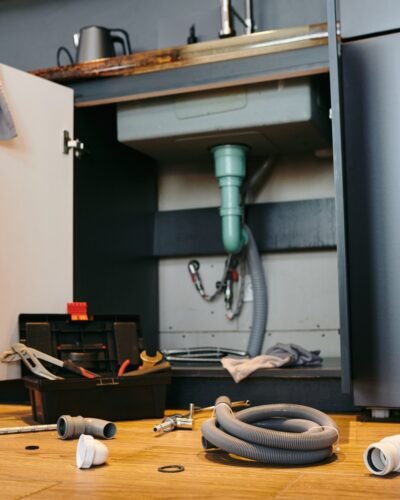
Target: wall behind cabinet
302,286
32,30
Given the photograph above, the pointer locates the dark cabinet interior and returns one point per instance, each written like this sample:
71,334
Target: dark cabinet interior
120,236
115,204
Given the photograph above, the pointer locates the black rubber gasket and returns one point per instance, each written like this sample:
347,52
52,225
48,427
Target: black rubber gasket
171,468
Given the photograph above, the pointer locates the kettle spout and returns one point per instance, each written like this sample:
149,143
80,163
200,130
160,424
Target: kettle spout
76,39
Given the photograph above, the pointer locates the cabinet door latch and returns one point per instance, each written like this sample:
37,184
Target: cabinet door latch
75,144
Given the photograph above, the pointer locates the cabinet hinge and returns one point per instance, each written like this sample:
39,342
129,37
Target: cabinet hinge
75,144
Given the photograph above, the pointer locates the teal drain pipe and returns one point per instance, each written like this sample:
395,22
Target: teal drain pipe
230,169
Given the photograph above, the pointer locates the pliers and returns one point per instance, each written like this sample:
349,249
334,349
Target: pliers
30,357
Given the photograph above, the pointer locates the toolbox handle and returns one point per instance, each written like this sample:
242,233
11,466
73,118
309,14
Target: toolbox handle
107,381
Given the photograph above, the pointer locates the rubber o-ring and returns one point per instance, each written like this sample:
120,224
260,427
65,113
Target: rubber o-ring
171,468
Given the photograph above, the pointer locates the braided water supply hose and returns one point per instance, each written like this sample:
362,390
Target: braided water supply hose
282,434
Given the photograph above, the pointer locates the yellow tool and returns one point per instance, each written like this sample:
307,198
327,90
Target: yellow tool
150,361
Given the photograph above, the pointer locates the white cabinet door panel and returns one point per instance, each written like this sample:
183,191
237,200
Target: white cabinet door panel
36,204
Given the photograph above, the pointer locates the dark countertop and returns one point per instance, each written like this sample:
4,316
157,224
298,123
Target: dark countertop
265,42
263,56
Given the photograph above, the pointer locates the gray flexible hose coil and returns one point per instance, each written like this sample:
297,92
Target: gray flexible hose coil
282,434
259,319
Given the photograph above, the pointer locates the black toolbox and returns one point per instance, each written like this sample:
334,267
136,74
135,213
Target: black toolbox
100,344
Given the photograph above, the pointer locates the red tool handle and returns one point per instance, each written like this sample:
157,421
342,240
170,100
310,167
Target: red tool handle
72,367
123,367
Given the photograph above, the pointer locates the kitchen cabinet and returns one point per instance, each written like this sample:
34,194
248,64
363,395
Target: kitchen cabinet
36,204
360,18
366,98
119,235
71,229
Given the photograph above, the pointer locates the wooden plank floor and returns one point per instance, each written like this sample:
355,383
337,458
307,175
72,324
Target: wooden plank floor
136,453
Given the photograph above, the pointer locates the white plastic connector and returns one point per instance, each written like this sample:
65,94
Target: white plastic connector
90,452
384,456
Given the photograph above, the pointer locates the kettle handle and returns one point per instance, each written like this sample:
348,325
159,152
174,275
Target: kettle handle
60,50
123,40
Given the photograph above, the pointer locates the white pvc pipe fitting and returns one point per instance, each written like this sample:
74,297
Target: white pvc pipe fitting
90,452
384,456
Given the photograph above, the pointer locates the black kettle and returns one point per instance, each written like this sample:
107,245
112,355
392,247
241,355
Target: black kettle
96,42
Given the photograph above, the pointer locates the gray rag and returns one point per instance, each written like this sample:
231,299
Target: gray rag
300,355
276,356
7,127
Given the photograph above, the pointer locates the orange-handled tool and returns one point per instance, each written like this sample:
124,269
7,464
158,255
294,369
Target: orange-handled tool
30,357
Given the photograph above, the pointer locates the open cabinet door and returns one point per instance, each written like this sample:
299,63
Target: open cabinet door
36,205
